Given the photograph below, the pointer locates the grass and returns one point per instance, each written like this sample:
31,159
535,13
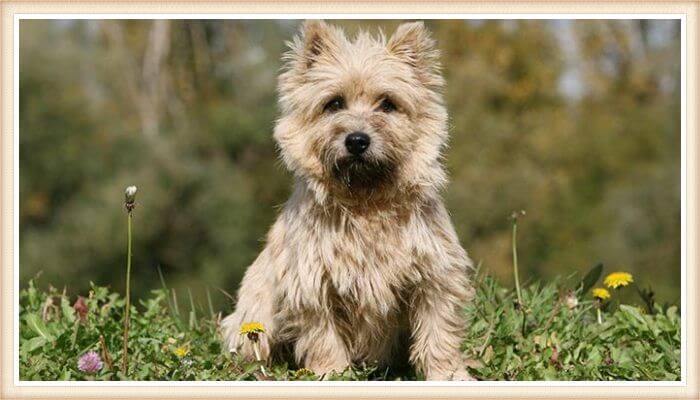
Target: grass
546,340
550,331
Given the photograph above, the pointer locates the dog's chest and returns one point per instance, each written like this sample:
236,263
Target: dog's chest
361,265
372,263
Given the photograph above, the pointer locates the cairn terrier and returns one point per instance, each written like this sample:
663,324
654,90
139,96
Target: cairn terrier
363,264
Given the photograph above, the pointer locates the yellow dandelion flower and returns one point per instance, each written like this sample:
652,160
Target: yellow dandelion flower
181,351
252,327
617,279
303,372
600,293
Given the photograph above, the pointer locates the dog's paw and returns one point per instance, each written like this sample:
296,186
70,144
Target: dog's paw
246,349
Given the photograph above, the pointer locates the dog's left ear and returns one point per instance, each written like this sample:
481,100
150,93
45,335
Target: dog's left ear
413,44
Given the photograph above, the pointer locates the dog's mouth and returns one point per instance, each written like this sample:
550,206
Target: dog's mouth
361,173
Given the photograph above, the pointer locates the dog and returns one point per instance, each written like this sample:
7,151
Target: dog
363,263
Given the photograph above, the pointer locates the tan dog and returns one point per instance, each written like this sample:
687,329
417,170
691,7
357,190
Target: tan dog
364,257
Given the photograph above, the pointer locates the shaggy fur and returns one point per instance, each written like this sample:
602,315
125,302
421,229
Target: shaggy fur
363,259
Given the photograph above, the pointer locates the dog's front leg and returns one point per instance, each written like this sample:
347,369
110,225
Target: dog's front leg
436,315
255,304
437,329
321,349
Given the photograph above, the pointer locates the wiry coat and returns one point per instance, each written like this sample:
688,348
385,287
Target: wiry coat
360,260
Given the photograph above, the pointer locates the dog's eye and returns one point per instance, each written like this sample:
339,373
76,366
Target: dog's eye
336,104
387,106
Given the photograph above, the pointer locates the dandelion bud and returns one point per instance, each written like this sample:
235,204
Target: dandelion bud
130,194
130,197
517,214
81,308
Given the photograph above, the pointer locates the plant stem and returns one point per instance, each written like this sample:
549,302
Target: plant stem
105,353
515,262
256,349
600,316
128,296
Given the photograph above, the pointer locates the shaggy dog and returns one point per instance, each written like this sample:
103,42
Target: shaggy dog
363,264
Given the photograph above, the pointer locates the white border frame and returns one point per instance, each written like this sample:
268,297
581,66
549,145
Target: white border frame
330,16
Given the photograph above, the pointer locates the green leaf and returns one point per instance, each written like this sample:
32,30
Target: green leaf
32,293
33,344
672,313
67,310
591,278
65,376
37,326
632,311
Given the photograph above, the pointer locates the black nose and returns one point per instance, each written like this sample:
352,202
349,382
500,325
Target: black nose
357,143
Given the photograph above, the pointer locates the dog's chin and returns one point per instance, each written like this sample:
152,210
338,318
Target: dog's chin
358,174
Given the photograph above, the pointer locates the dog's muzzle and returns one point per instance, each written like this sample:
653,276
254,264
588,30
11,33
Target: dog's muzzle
358,172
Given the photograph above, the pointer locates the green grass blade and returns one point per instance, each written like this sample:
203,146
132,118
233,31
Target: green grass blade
211,307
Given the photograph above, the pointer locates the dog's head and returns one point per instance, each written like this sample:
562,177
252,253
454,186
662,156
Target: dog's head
362,117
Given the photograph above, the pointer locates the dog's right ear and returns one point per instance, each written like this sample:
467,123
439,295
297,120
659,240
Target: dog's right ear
315,39
413,44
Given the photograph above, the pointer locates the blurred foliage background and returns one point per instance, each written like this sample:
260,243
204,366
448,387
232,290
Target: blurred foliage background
576,122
